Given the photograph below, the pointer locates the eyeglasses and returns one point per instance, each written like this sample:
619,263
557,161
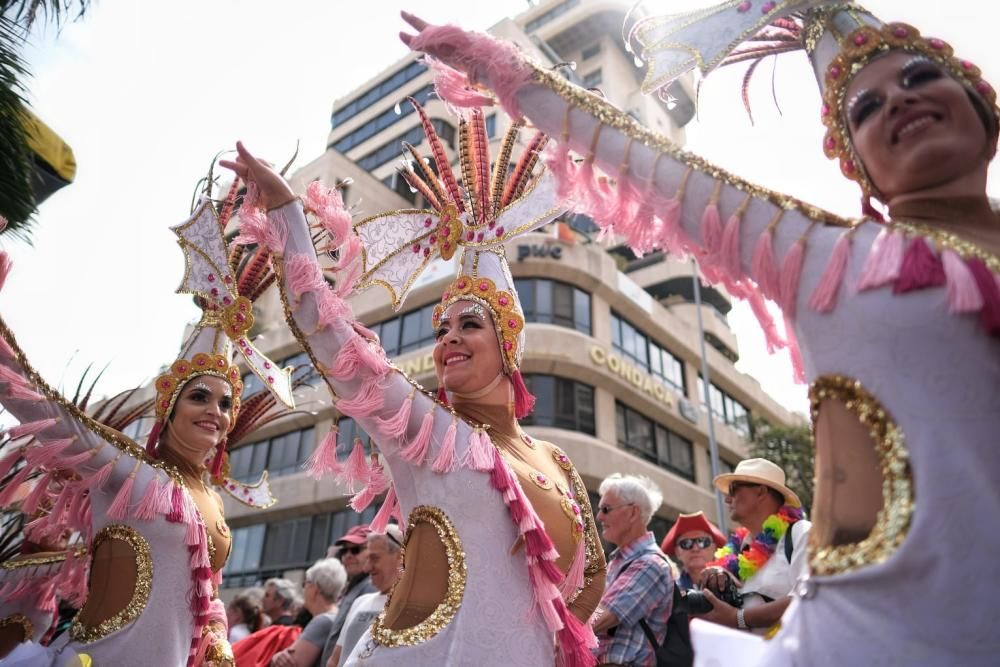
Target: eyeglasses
689,543
736,486
354,550
606,509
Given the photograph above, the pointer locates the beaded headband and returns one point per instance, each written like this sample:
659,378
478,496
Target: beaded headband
502,305
170,384
858,49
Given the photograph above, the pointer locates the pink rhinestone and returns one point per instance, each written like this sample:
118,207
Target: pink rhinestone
211,277
427,252
967,65
860,40
493,223
226,300
825,111
267,365
768,6
248,351
576,509
502,301
484,287
527,439
743,7
446,295
164,404
849,166
512,324
428,222
935,43
462,284
983,88
270,379
480,237
499,232
445,218
228,280
215,291
830,143
446,245
240,317
900,32
470,235
507,345
834,72
416,247
432,240
541,478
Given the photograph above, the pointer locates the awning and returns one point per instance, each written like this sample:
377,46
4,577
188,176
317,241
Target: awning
55,165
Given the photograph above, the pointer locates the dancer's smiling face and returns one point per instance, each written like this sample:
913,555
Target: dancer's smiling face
466,352
914,126
201,416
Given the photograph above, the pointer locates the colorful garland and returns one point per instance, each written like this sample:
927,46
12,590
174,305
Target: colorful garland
745,563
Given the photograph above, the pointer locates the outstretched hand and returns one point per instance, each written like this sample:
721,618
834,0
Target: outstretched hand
274,189
440,51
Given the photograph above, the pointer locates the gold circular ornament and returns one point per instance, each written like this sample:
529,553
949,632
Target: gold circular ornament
541,480
561,458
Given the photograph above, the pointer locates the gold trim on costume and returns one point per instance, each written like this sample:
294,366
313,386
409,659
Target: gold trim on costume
457,575
947,241
893,521
140,596
19,619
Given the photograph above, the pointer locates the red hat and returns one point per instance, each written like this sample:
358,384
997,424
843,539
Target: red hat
356,535
686,523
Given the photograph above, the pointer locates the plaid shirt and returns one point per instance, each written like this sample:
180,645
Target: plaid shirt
642,591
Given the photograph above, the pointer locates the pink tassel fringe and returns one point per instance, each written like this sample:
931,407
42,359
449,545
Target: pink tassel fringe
445,460
416,451
963,293
824,297
323,461
884,260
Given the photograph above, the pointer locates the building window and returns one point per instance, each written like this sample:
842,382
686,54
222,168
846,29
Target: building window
591,51
553,13
553,302
385,119
263,551
726,409
491,125
398,184
302,368
593,79
655,360
562,403
347,431
655,443
393,149
407,332
377,92
281,455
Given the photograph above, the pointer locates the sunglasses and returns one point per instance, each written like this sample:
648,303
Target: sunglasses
354,550
736,486
606,509
689,543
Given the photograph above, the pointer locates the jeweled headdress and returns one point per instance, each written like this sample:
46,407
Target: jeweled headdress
839,38
474,215
225,282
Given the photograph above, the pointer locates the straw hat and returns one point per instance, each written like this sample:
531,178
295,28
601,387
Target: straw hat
759,471
686,523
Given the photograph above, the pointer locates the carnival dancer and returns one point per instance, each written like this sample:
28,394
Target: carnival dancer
896,322
153,537
502,561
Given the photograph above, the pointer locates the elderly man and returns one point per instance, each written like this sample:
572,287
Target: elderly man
692,542
766,556
324,582
352,550
384,562
640,587
280,596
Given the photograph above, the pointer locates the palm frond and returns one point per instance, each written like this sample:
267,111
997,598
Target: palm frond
17,199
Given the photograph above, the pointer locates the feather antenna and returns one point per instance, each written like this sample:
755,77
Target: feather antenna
428,174
502,164
522,171
418,184
481,163
465,159
440,158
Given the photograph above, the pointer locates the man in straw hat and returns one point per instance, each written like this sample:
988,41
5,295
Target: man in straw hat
766,556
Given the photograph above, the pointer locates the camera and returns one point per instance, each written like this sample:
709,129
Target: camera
695,601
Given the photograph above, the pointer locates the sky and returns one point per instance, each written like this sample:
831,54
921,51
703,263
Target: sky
146,93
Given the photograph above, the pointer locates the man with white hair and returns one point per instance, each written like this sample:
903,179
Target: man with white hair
640,586
324,582
384,563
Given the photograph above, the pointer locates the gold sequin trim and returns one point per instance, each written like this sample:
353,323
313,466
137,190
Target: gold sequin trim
106,433
949,241
457,575
893,521
19,619
594,549
140,596
611,116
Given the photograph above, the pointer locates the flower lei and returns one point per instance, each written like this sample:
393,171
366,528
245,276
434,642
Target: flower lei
745,563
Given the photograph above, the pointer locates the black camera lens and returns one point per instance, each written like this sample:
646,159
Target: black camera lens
695,603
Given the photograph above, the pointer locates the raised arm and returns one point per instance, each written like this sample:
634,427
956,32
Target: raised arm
656,195
402,420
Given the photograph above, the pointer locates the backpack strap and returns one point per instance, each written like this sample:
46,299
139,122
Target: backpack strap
646,630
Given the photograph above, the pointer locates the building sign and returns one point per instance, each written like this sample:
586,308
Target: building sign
640,379
418,365
536,250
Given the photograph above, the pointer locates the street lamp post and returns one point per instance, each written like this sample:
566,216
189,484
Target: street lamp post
713,446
